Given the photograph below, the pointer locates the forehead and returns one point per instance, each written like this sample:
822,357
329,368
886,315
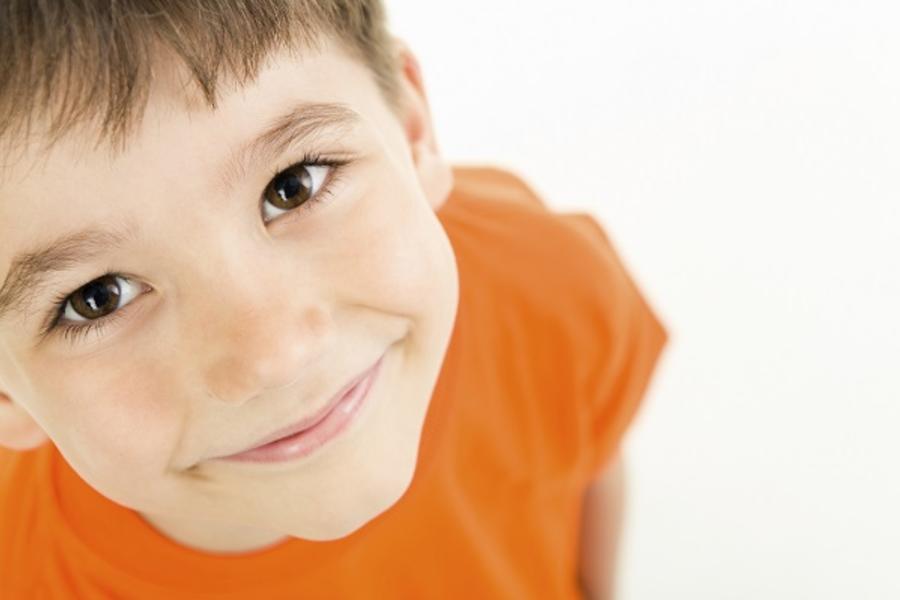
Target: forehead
175,102
178,121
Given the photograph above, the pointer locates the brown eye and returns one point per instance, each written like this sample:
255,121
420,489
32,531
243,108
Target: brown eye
293,187
97,299
290,188
100,297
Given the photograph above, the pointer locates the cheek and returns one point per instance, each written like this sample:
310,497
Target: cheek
114,418
395,252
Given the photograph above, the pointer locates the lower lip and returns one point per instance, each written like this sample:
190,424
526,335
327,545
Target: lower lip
309,440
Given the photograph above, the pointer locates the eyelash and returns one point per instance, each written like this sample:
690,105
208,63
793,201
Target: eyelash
72,332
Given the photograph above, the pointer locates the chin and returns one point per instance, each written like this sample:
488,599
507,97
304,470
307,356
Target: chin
346,519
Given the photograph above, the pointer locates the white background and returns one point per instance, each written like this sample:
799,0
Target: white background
743,156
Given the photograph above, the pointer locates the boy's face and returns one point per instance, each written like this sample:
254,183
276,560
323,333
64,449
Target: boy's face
237,316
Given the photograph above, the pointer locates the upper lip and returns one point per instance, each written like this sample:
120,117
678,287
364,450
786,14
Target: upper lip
309,420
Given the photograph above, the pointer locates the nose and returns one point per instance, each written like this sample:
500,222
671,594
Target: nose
262,342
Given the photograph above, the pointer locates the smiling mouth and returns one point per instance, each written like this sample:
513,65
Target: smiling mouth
304,436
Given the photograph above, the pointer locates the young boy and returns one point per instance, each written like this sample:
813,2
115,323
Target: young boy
229,223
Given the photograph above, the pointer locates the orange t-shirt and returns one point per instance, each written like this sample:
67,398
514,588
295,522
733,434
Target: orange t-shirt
551,352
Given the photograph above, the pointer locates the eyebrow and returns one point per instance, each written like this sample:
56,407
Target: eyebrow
303,121
297,126
32,268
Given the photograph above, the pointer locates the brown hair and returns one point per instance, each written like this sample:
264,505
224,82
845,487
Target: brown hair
74,61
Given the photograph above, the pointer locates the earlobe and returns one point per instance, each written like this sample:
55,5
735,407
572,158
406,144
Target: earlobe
18,430
435,173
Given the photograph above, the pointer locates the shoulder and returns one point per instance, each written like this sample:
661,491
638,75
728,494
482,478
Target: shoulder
495,184
559,305
557,263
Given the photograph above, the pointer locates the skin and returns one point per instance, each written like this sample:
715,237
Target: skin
602,526
240,326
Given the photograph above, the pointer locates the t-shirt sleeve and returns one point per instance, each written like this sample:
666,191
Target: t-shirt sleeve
621,344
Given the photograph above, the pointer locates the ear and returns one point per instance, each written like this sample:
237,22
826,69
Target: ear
18,430
435,173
